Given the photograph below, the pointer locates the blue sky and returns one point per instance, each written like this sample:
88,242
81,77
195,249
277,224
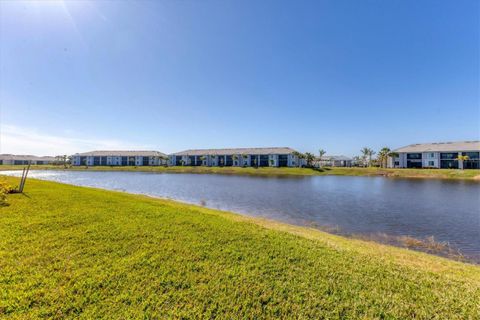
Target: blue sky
173,75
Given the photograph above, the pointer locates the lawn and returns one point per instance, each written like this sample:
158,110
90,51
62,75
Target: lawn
73,252
275,171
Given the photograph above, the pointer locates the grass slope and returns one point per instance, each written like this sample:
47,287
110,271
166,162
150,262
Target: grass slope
72,252
273,171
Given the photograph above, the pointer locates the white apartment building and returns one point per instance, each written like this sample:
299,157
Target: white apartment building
120,158
237,157
438,155
13,159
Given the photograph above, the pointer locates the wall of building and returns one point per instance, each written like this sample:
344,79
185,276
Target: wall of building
241,161
429,160
117,161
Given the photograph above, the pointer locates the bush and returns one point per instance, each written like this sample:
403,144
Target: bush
5,189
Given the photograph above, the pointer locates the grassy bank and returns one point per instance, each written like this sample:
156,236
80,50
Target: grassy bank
400,173
68,251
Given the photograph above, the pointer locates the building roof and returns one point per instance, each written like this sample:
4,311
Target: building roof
120,153
442,147
25,157
335,158
255,151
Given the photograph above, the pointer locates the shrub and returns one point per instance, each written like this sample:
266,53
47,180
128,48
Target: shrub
5,188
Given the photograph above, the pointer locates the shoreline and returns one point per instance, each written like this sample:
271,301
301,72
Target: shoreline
439,174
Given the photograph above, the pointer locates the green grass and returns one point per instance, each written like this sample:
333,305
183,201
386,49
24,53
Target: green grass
73,252
272,171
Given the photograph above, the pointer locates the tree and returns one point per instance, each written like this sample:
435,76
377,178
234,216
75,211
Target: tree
461,158
383,156
367,153
321,153
62,160
393,155
309,157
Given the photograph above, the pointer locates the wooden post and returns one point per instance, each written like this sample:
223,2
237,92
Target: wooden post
21,180
24,178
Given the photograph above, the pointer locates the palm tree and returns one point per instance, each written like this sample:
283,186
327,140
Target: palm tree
309,157
61,160
393,155
202,158
364,157
383,156
367,153
321,153
461,158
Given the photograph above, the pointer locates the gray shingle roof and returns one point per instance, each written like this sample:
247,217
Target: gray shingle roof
442,147
119,153
25,157
255,151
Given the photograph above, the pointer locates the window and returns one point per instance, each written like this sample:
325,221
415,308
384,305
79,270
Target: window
473,161
282,160
414,156
414,164
178,160
432,155
471,155
449,164
449,156
263,161
431,163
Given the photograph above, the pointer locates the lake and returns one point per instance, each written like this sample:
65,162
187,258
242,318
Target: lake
447,210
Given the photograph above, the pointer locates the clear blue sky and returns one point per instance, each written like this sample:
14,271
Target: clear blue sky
172,75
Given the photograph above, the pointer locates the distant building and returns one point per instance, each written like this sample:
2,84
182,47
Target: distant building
120,158
334,161
12,159
437,155
237,157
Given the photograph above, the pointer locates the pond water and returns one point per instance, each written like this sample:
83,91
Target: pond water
447,210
